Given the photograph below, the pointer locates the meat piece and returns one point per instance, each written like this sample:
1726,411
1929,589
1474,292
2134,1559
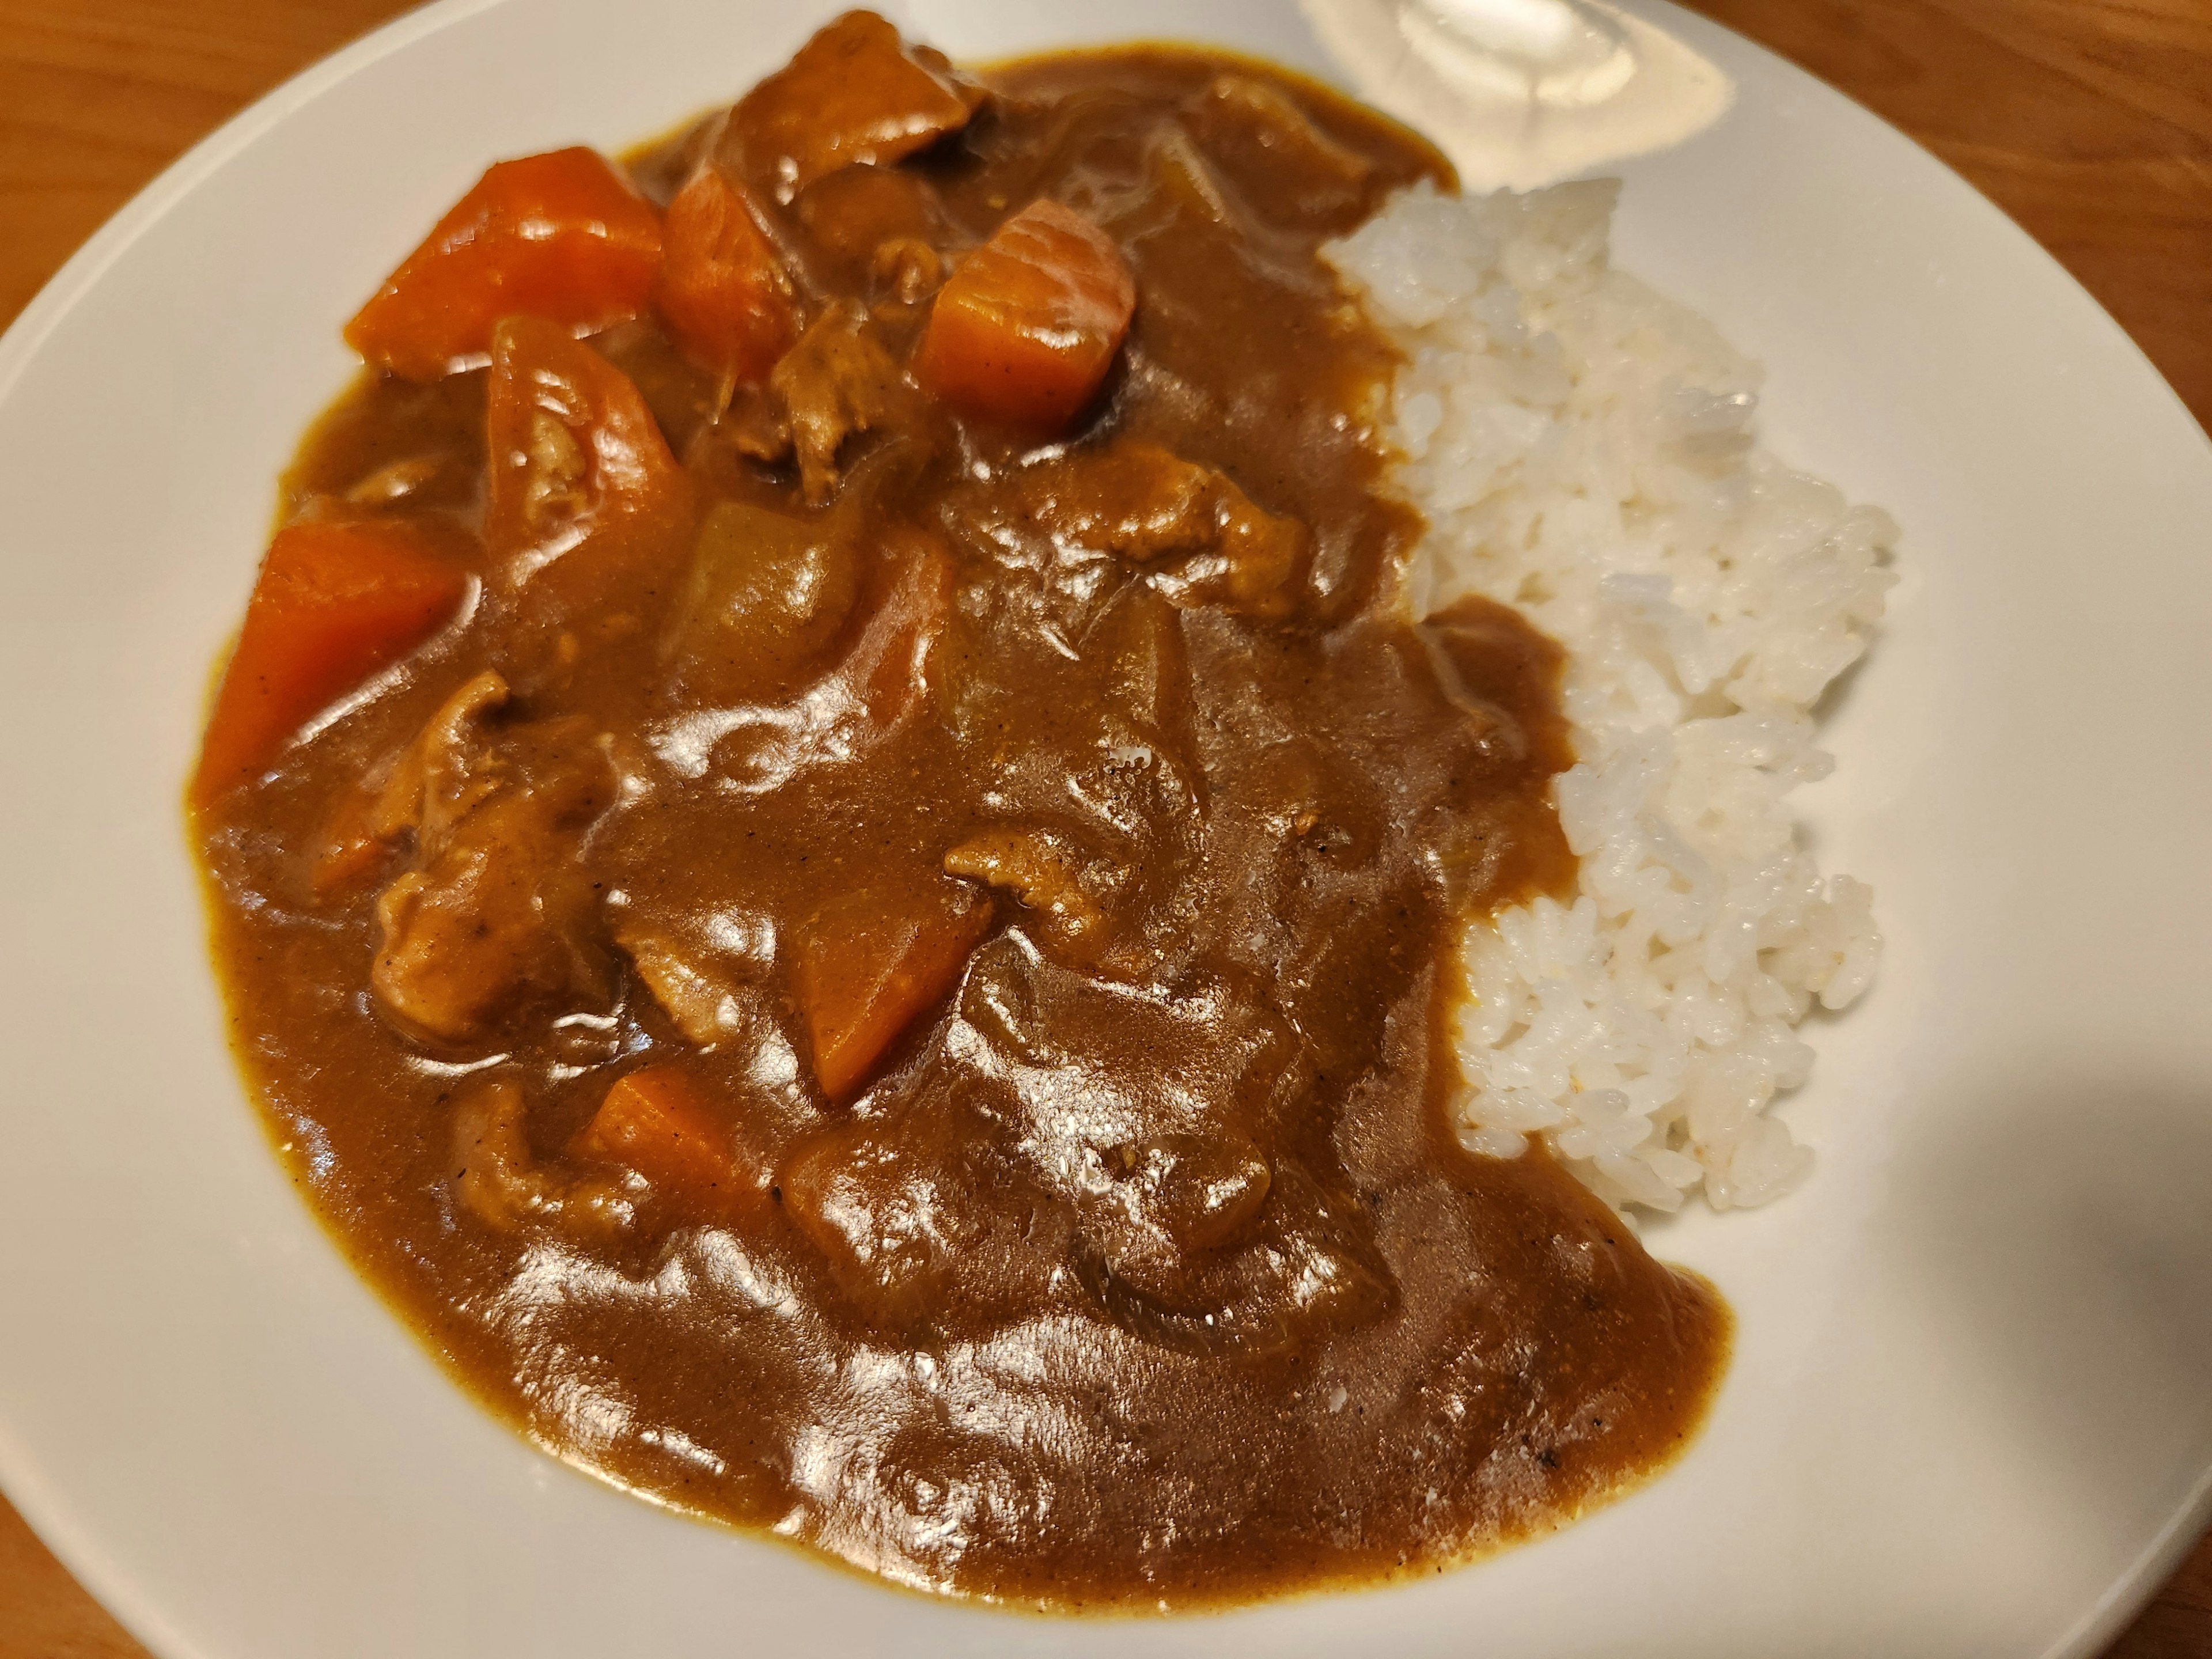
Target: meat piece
907,268
1306,1261
479,929
1168,1202
711,992
433,785
754,426
1201,1230
369,818
505,1187
1206,541
586,505
496,911
1045,874
389,803
700,1005
835,382
856,93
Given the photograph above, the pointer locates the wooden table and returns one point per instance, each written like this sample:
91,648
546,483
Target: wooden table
2089,121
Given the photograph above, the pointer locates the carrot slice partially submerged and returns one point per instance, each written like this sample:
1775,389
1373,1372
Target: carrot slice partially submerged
1025,329
335,604
586,500
901,652
871,963
560,236
723,290
657,1123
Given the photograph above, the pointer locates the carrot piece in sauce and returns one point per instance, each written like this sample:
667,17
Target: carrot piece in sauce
562,236
856,93
657,1123
335,603
901,654
870,963
724,293
586,502
1026,328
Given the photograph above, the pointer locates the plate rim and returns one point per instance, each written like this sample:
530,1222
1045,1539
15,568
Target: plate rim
43,1505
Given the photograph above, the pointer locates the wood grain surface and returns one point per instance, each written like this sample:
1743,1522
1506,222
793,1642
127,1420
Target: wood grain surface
2089,121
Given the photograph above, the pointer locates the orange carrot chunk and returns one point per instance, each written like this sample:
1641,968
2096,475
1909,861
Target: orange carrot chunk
905,636
1024,330
335,604
562,236
724,293
856,93
657,1123
871,963
586,502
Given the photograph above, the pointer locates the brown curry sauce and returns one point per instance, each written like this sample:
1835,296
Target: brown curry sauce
1142,1269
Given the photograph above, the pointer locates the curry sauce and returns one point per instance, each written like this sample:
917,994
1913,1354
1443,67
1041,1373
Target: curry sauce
879,967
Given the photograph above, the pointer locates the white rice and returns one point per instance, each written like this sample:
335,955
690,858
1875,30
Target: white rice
1582,447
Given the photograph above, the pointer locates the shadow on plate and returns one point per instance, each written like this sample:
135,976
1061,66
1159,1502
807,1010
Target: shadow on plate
2053,1239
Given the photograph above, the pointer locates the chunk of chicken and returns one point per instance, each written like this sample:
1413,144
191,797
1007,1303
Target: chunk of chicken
503,1186
496,911
389,802
1045,874
694,989
835,382
1207,542
908,269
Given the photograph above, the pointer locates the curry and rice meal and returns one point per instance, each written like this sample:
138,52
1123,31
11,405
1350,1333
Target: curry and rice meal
995,818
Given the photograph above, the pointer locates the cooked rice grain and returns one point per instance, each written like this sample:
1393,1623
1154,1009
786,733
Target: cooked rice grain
1583,449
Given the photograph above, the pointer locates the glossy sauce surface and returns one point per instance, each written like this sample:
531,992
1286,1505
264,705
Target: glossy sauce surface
1138,1268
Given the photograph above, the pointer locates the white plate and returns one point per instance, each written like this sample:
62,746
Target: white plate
1971,1407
